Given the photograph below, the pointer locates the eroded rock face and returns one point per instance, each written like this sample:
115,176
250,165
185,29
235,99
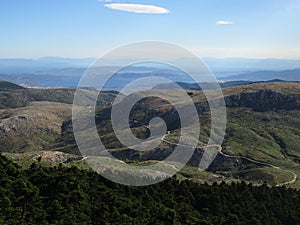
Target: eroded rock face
264,100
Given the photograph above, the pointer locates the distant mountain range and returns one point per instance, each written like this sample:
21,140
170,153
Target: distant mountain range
221,66
238,65
41,64
66,72
288,75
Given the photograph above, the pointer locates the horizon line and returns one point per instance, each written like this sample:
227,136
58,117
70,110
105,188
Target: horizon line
95,58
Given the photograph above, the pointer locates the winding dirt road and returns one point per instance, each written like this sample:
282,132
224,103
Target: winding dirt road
220,150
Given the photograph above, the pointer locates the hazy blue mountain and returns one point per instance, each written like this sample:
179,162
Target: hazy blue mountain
19,65
66,72
287,75
246,65
221,66
41,64
59,61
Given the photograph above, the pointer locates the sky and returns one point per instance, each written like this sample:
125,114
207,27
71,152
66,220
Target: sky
208,28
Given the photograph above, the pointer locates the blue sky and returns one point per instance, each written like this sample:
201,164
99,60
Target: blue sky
89,28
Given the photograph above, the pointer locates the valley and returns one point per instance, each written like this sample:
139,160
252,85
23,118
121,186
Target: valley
261,144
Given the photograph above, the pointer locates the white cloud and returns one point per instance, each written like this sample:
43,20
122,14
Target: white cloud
138,8
224,22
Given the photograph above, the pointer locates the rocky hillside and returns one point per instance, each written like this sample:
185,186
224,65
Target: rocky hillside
263,126
33,119
264,100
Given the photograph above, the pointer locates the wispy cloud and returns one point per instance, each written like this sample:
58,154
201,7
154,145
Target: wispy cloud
138,8
224,22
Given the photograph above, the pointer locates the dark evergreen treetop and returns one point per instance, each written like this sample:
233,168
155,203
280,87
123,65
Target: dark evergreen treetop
45,195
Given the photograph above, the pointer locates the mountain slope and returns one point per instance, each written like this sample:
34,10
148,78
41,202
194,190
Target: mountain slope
263,126
4,86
